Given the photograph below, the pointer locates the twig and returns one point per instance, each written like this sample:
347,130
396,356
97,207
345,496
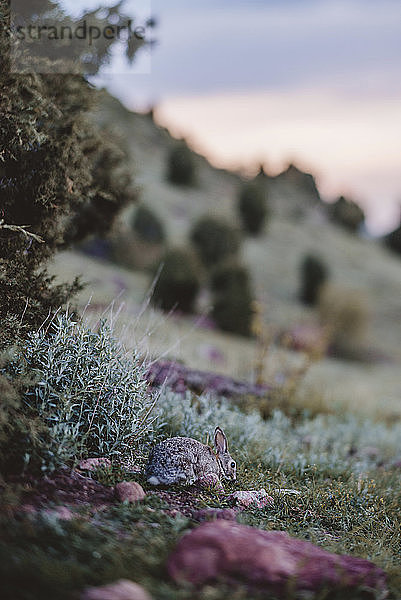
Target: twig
22,229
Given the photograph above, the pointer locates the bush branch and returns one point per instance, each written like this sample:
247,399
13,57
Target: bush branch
22,229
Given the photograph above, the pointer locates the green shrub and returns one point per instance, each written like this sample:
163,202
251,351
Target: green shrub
21,431
214,240
252,206
181,168
345,314
232,299
61,176
147,226
313,274
90,398
179,281
347,214
393,240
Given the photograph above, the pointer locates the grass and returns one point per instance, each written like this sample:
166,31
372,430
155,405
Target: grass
336,386
336,440
350,503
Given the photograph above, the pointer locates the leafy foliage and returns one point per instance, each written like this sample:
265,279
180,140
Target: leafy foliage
214,240
181,169
232,298
393,240
90,397
252,205
178,282
61,179
313,274
21,430
347,214
148,226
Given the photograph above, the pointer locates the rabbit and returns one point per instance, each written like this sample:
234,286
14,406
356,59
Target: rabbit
185,460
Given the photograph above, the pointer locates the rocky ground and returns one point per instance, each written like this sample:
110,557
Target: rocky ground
215,546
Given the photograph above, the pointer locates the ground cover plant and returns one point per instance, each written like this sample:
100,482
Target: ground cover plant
87,394
345,469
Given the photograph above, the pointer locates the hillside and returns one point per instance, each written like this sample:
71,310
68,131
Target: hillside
297,226
314,460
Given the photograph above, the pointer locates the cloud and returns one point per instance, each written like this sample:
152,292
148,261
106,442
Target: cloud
222,46
242,45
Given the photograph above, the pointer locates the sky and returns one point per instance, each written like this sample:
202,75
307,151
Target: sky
315,82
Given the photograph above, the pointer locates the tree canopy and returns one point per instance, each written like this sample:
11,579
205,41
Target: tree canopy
61,178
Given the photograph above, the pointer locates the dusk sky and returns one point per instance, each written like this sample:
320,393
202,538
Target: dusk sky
316,82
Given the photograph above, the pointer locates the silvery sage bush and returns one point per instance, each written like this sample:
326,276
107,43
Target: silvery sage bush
93,398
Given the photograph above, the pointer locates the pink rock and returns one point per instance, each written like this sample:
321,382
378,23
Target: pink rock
120,590
268,559
91,464
258,498
129,491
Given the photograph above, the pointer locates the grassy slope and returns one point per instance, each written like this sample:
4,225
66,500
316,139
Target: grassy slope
273,259
345,467
349,503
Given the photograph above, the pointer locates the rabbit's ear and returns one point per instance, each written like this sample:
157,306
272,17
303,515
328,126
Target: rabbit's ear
220,441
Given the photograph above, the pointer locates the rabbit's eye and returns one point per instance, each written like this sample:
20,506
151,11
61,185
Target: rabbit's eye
233,465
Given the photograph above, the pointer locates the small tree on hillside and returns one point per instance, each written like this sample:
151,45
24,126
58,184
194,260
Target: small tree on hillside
147,226
214,240
178,282
181,168
393,240
232,298
347,214
252,205
313,275
60,178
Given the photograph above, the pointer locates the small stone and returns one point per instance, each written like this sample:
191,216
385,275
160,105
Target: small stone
120,590
92,464
268,560
257,498
210,514
129,491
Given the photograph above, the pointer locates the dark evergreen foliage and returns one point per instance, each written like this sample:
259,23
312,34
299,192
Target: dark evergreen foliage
61,180
179,281
393,240
252,205
232,298
181,168
347,214
313,274
214,240
148,226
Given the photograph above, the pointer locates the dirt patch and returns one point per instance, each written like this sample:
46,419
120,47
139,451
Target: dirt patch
73,490
183,502
63,488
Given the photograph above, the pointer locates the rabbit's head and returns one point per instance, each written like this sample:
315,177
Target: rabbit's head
227,464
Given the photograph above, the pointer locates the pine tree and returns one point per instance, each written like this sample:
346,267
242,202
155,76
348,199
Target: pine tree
61,179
